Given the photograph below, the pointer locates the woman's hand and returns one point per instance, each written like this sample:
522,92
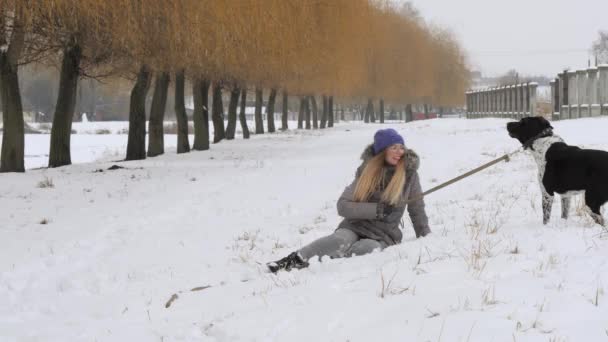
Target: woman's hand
387,213
383,210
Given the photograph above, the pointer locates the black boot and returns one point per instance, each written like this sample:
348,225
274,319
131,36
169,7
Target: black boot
293,260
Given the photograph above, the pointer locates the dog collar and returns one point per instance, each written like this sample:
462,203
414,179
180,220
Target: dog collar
547,132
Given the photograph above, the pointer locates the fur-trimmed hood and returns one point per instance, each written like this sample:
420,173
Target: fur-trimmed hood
361,217
411,158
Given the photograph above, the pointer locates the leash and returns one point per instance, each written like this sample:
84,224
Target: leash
506,158
528,144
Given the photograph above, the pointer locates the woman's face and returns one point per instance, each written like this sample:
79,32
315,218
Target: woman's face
394,153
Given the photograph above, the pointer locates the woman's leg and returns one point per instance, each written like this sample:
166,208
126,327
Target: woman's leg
364,246
334,245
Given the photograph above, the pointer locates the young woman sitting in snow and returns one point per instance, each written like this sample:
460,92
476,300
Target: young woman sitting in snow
372,206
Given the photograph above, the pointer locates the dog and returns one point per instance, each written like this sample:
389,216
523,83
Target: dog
563,169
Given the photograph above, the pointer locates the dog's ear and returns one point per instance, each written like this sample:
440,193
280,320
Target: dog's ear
546,122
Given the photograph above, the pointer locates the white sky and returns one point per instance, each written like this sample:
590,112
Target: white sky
532,36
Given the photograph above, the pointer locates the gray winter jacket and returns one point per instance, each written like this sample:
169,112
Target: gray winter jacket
360,217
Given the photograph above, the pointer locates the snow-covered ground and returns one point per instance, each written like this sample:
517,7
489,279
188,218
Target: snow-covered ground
96,256
94,141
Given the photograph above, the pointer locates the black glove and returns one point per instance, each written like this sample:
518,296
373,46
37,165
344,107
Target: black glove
393,216
383,211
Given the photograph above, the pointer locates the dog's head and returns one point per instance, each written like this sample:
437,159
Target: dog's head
527,128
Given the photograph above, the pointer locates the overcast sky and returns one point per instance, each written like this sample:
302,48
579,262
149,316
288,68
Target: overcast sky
531,36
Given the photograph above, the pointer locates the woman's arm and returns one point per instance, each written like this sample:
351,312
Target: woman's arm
416,209
350,209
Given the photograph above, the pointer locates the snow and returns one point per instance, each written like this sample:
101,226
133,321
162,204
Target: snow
97,141
118,244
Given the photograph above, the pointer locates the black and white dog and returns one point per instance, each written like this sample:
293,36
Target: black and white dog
563,169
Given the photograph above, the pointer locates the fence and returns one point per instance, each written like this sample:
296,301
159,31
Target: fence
581,93
512,101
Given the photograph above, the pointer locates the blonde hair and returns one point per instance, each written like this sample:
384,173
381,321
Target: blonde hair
372,178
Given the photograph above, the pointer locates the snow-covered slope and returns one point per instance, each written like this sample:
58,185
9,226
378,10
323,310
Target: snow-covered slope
96,256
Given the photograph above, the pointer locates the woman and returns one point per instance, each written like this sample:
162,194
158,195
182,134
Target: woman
372,206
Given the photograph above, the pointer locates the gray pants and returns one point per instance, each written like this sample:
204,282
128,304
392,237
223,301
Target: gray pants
342,243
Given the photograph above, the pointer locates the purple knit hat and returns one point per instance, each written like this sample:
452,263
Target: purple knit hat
385,138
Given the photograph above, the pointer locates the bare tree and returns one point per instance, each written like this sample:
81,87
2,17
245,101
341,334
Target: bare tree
242,117
235,92
183,143
200,94
136,144
259,102
12,40
217,113
600,48
270,110
156,140
509,78
284,115
315,112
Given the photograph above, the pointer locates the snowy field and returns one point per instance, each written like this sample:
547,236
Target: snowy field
96,141
96,256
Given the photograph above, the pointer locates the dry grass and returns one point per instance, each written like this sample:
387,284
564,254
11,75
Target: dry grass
388,288
46,183
103,131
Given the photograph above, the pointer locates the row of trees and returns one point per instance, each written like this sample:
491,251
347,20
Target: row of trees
344,49
599,48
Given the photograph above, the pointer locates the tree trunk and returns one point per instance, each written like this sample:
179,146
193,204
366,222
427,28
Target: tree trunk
78,103
270,110
330,112
284,118
426,111
200,116
64,111
342,113
232,106
409,115
13,135
259,101
301,112
136,143
336,111
315,112
307,111
242,117
183,143
381,110
218,114
369,111
156,139
324,113
93,103
372,113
